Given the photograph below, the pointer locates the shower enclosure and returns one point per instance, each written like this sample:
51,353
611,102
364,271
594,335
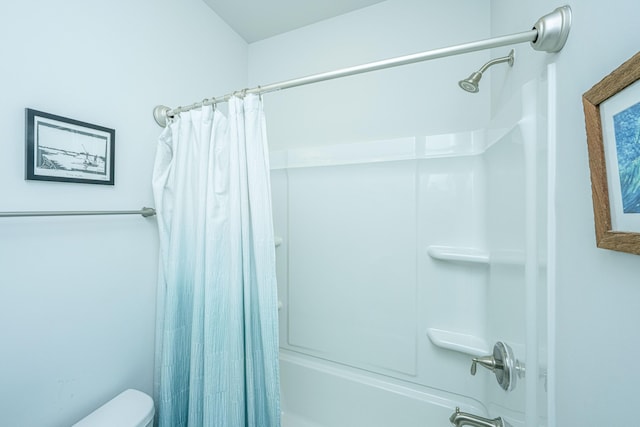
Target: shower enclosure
399,261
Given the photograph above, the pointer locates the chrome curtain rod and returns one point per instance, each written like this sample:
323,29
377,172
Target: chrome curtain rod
549,34
145,212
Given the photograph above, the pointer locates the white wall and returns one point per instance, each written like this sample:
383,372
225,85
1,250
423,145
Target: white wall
597,292
419,99
77,295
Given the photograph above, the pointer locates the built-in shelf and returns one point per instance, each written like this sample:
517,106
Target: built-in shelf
463,343
458,254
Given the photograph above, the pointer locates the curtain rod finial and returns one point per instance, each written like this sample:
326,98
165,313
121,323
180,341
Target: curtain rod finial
160,115
553,30
147,212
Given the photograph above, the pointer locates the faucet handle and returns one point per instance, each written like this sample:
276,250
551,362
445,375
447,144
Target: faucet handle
503,364
489,362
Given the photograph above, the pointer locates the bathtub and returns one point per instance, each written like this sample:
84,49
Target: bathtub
318,393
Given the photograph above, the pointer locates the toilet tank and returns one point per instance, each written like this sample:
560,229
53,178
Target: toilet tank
131,408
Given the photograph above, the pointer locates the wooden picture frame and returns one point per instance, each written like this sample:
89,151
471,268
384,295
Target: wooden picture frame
612,115
68,150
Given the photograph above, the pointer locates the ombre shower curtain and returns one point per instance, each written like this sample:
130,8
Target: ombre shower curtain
217,331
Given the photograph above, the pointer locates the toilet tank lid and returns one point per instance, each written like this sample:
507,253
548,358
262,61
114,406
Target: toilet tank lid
131,408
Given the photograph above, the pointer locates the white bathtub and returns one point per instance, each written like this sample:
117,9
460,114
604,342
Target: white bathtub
316,393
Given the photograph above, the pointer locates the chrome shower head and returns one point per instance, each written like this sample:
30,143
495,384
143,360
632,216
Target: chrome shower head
471,83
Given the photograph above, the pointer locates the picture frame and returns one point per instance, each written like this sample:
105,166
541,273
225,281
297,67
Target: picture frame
67,150
612,119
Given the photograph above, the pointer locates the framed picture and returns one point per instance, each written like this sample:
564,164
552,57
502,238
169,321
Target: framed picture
67,150
612,118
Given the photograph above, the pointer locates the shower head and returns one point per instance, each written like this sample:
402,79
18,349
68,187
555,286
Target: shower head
471,83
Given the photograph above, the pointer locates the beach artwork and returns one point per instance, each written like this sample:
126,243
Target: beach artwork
61,149
79,153
627,135
612,123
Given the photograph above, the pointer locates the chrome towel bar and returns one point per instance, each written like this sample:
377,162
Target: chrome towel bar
145,212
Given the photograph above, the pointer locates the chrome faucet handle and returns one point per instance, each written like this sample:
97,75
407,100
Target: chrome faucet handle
502,364
488,362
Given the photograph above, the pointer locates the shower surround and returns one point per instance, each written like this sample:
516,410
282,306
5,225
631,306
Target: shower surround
399,261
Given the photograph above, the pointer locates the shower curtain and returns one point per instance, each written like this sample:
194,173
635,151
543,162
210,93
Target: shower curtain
217,333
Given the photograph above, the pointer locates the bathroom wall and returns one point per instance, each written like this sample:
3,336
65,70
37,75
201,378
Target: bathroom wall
77,295
413,100
594,300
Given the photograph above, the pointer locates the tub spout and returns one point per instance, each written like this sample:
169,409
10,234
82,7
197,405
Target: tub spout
460,419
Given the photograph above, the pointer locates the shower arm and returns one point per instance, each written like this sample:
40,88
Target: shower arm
508,58
549,34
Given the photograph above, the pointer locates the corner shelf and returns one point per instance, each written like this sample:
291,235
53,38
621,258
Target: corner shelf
462,343
458,254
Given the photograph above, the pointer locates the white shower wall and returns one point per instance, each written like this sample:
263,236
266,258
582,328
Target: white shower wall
399,260
402,259
357,281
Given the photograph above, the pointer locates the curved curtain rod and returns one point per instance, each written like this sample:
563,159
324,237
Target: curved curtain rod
549,34
145,212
